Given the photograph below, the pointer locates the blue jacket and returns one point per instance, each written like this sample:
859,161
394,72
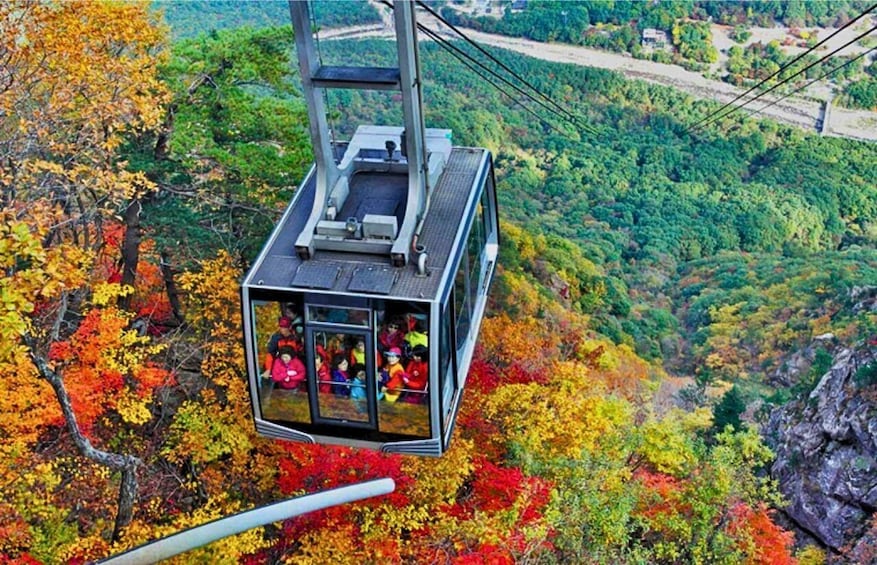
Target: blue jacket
357,390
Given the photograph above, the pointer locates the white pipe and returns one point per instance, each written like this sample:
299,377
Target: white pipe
421,263
198,536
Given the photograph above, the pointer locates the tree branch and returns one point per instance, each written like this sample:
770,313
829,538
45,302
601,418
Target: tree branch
126,464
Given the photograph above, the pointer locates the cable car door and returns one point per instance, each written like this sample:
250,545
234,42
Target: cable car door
341,391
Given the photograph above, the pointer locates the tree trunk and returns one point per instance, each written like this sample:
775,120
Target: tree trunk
130,248
161,149
173,294
127,497
126,464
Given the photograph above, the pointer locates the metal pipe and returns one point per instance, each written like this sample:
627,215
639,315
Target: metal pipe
198,536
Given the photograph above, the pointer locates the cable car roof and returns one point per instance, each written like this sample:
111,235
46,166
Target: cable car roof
339,272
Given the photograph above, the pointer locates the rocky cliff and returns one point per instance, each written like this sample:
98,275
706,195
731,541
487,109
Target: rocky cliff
826,452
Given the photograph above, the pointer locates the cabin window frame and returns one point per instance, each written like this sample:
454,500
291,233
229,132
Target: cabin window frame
314,386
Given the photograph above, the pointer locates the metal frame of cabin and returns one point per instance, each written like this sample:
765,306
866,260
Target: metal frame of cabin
395,221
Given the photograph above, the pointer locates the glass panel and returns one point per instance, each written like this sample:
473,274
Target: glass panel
447,381
489,225
475,243
403,374
336,315
282,390
339,395
461,302
476,246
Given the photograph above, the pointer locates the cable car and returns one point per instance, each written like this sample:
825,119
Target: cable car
362,311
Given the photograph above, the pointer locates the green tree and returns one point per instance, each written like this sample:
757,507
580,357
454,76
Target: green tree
234,144
728,410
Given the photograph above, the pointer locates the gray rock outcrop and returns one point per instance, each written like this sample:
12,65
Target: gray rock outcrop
826,451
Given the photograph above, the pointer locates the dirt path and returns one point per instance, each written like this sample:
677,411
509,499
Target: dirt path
795,111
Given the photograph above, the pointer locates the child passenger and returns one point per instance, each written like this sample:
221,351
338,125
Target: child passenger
340,376
357,354
418,374
394,375
288,371
283,337
417,335
323,376
357,387
392,336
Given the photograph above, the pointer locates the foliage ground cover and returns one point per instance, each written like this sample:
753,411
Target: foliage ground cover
617,246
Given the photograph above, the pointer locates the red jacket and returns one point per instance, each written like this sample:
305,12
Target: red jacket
396,381
323,378
388,340
418,374
288,375
277,341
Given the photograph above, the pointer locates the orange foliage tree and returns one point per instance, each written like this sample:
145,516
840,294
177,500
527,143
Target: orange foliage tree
556,456
77,77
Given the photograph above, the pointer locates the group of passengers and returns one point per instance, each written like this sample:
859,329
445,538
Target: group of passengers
340,364
403,344
283,362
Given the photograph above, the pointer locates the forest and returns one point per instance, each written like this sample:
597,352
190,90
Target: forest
619,26
142,174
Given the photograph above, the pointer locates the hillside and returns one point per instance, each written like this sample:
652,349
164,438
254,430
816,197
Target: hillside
140,185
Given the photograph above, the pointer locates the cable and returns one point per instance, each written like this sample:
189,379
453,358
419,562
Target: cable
459,54
787,79
822,76
505,67
784,67
462,57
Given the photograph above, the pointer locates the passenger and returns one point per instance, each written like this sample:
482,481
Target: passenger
358,318
288,371
322,371
418,374
358,386
379,387
357,354
335,345
410,319
298,327
393,375
392,336
291,310
284,337
340,376
417,335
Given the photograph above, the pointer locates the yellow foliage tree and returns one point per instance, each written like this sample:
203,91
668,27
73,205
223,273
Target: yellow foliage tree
77,78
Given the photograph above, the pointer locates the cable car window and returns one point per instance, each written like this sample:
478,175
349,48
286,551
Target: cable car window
283,393
340,376
461,303
489,222
334,315
475,247
475,244
447,382
402,375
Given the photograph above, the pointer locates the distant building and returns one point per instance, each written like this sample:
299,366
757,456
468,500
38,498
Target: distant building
654,39
519,5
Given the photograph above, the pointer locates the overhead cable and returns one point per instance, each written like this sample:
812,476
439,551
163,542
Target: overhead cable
463,57
505,67
820,77
785,80
470,63
783,67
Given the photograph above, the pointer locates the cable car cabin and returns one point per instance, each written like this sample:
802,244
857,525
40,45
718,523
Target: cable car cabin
347,311
362,311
